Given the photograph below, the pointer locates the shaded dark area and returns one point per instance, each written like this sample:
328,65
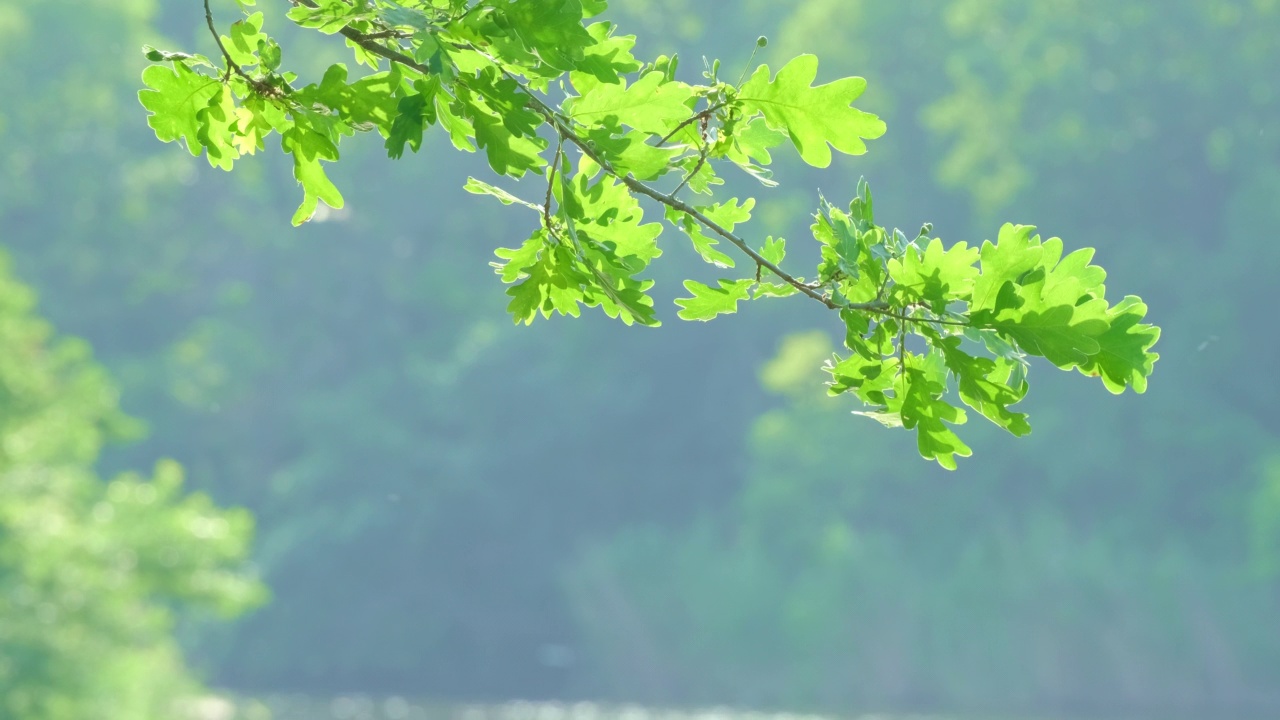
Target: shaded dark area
452,507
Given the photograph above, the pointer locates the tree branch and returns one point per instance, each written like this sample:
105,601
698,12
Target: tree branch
226,56
565,132
259,85
686,123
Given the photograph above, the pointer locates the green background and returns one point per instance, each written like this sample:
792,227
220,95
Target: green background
448,506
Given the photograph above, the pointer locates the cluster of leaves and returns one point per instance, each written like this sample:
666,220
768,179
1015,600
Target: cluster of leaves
980,312
489,72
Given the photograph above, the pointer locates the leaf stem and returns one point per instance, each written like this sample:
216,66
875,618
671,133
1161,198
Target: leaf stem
231,64
551,181
702,160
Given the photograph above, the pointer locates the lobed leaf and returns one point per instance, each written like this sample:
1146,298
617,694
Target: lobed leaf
708,302
310,141
651,104
727,215
175,97
551,29
813,117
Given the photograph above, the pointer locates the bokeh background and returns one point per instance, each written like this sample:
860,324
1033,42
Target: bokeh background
383,487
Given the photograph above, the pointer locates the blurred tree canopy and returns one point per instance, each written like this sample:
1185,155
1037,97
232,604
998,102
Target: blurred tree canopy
90,570
356,383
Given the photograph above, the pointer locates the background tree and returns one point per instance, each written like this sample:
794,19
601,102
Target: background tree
89,570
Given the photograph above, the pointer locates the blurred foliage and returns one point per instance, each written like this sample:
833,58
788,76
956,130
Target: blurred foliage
1135,572
440,496
357,384
90,570
1017,587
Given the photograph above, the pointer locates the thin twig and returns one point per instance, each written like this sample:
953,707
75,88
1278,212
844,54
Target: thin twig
702,160
470,10
902,348
385,34
551,181
231,64
884,284
262,87
885,310
691,120
747,66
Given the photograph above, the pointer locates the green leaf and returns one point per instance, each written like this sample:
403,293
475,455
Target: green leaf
778,290
925,411
517,260
616,291
629,154
271,54
175,98
155,55
753,142
605,212
413,113
510,153
451,119
503,96
708,302
218,129
1050,307
528,295
938,276
1016,251
397,15
369,102
842,242
310,142
984,386
551,29
256,118
1061,332
813,117
329,16
548,281
750,149
594,258
868,376
652,104
1124,357
700,176
606,60
774,250
246,36
479,187
727,215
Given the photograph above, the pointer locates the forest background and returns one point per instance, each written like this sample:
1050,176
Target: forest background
450,506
